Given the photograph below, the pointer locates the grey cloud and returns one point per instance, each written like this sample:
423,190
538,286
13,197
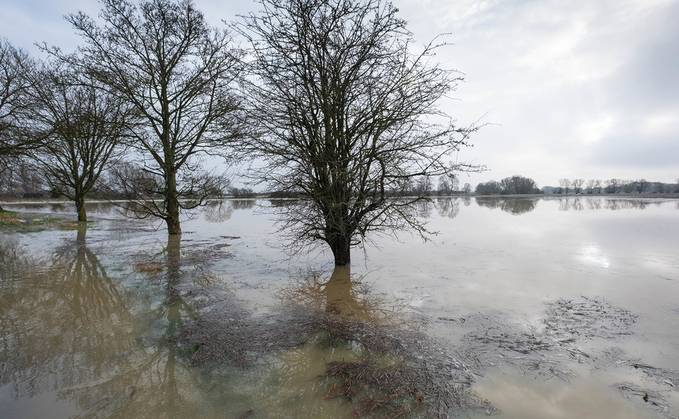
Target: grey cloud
650,81
637,151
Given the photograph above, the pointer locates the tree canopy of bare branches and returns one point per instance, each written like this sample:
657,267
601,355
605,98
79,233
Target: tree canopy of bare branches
577,185
642,184
612,185
79,127
448,184
178,72
348,113
565,184
15,68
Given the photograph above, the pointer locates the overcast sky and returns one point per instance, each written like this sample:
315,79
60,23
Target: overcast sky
569,88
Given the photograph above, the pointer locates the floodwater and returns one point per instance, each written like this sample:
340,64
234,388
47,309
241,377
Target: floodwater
559,308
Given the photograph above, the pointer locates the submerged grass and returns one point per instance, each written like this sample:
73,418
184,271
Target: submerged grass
12,221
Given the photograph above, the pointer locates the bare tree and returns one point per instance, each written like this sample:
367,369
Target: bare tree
612,185
348,113
444,187
423,186
628,186
21,179
565,185
127,180
454,182
143,188
590,186
642,184
80,127
597,185
467,188
448,184
15,67
165,60
577,185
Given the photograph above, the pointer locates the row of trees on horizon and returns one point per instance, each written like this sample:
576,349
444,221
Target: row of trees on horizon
22,181
611,186
519,185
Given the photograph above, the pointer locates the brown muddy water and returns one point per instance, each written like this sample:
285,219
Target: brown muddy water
519,308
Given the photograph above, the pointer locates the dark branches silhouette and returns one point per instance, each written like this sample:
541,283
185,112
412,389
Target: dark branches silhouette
80,128
347,116
178,73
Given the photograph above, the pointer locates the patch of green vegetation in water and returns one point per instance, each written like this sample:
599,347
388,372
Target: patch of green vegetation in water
187,351
15,222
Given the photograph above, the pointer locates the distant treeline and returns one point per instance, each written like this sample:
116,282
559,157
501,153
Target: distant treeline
520,185
610,186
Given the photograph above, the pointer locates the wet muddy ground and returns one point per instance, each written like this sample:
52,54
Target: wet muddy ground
520,308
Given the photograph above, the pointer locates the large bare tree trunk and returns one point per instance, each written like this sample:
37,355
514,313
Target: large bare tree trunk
341,250
172,206
80,208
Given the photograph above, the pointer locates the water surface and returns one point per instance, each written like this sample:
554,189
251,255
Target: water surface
90,314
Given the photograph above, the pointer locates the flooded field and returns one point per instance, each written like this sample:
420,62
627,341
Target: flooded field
517,308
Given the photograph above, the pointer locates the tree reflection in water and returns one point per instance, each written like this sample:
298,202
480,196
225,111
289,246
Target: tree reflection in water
619,204
593,204
580,204
243,204
147,379
59,313
449,207
519,206
376,362
422,208
220,210
339,296
112,351
217,211
568,204
66,325
516,206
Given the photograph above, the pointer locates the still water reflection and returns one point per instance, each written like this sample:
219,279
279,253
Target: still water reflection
78,343
92,316
514,206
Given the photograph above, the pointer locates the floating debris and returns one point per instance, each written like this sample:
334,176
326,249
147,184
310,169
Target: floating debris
589,318
654,398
